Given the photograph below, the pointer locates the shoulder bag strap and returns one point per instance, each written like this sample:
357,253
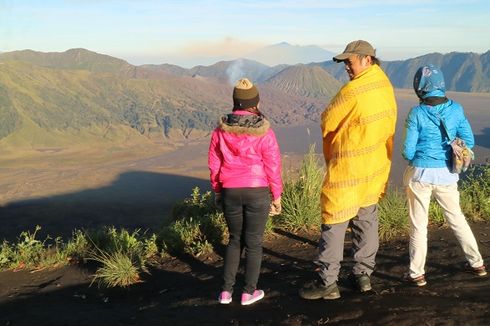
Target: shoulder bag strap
444,127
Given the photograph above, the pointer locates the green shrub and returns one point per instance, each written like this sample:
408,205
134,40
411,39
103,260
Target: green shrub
393,215
55,254
29,251
78,246
270,225
32,253
475,193
197,205
196,228
7,255
214,227
150,247
436,213
301,196
186,235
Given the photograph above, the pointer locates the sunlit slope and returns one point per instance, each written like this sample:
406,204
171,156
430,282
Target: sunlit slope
43,106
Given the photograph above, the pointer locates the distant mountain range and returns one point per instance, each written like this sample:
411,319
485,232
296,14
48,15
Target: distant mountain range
463,72
80,97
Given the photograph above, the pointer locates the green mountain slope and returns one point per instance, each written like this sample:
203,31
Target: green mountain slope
38,100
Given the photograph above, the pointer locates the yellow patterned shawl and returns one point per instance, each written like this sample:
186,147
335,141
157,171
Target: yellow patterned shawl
358,129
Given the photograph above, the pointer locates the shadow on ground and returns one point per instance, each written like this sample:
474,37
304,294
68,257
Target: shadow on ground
135,200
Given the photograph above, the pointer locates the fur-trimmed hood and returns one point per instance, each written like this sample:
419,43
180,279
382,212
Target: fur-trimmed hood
250,124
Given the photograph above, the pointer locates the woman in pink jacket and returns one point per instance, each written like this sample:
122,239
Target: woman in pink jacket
245,169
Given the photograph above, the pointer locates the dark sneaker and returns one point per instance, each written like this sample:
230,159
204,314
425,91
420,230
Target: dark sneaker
317,290
417,281
478,271
363,282
248,298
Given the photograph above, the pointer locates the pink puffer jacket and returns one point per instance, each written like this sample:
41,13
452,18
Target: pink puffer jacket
244,155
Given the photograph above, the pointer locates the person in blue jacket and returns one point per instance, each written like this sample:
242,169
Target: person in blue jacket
427,149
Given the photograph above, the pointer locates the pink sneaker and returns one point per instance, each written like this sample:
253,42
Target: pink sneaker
225,297
251,298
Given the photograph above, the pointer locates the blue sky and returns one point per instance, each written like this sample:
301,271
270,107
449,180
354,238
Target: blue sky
186,31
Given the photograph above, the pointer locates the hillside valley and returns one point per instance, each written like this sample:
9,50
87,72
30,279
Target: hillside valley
55,103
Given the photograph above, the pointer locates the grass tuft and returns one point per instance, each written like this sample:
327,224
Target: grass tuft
393,215
475,193
118,269
123,255
301,196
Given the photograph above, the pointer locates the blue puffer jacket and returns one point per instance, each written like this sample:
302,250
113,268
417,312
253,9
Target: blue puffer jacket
425,146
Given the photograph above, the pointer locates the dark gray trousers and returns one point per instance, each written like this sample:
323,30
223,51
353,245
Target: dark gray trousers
365,244
246,211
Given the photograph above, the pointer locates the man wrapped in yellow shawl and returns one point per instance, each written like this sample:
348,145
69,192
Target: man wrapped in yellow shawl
358,129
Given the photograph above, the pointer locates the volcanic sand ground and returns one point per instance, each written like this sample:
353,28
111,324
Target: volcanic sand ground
183,291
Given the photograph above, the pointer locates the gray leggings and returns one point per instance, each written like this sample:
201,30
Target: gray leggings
365,242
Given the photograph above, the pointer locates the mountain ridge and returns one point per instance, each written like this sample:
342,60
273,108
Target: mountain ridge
76,58
463,71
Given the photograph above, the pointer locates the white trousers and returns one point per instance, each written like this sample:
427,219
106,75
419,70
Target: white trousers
419,195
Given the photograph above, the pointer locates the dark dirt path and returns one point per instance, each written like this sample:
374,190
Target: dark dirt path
182,291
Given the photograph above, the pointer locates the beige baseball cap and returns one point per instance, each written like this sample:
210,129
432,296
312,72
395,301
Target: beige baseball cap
356,47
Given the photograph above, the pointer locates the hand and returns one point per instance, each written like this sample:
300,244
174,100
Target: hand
276,207
217,200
